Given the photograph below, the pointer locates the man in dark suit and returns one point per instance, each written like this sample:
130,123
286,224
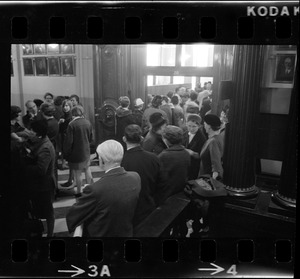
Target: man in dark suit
285,71
148,166
106,208
31,115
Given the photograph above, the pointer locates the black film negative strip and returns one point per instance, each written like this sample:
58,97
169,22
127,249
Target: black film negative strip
132,23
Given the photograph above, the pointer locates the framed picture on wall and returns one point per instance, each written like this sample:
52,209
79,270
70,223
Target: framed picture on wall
53,48
68,66
27,49
41,66
40,49
65,49
285,68
53,66
28,66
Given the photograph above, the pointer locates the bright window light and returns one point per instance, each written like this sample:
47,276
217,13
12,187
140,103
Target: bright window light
161,55
200,55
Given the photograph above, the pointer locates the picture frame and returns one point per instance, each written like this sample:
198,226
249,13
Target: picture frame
41,66
53,48
39,49
284,68
68,66
67,49
53,66
28,67
27,49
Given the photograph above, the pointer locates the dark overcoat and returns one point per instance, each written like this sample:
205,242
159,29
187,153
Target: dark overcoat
106,208
153,184
175,164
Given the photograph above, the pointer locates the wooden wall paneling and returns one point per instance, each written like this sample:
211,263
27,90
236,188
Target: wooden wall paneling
287,192
222,70
138,67
272,136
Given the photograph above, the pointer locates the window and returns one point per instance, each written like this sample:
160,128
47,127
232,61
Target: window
161,55
173,80
197,55
206,79
158,80
194,55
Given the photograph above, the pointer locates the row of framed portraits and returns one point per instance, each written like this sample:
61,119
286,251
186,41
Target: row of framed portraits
42,49
49,66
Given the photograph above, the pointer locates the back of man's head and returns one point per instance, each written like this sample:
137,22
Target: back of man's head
133,133
111,152
47,109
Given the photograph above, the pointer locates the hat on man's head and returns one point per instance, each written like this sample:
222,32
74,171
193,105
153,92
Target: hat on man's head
124,101
138,102
212,120
173,134
156,119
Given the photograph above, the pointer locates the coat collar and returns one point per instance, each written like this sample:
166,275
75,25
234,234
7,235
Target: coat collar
113,172
176,147
134,149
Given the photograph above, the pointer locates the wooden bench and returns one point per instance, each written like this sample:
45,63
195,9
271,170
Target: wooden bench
160,221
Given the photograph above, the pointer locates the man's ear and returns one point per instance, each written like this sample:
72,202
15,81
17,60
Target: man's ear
124,139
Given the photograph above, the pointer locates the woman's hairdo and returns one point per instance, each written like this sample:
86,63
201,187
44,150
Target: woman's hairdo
156,101
14,112
48,94
68,102
75,97
175,100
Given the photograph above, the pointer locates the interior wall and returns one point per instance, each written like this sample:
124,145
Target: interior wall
25,88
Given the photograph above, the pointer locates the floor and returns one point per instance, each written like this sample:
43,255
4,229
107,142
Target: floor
65,200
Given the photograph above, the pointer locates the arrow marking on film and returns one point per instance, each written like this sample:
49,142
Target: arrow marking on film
216,270
77,271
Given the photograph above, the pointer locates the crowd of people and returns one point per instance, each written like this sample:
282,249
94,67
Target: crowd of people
157,148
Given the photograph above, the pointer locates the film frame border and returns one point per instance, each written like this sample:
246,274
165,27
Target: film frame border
117,36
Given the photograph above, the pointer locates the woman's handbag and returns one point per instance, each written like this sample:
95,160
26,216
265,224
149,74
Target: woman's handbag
205,187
